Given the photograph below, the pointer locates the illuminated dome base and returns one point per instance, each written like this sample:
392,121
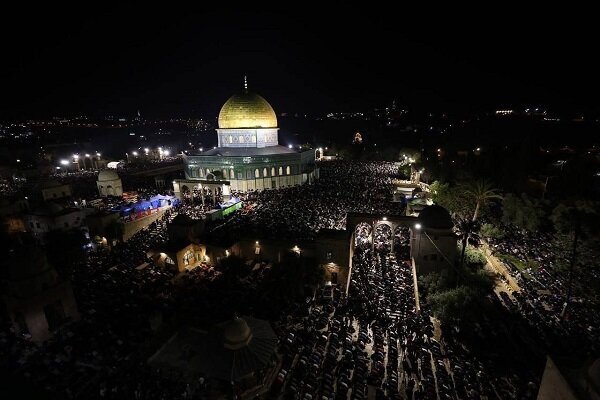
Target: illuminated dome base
248,137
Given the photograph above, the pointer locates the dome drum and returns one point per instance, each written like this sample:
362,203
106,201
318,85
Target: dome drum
262,137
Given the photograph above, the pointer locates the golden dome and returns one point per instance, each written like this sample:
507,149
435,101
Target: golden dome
247,110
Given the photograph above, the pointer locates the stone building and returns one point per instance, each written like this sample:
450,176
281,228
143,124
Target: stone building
248,156
37,299
109,184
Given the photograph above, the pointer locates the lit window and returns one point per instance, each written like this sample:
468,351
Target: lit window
231,174
241,139
265,173
272,171
280,170
288,170
189,256
230,139
256,173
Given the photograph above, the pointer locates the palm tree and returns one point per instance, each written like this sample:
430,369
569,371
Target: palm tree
578,219
468,231
482,192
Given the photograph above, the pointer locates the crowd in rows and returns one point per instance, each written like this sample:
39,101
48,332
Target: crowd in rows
543,278
377,343
342,187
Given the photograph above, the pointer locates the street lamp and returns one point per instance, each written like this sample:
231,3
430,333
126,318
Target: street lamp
418,226
64,162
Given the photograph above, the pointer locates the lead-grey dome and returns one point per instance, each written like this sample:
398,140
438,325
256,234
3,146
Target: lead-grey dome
107,175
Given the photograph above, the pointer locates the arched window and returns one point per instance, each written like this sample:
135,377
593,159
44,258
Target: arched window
241,139
224,174
201,172
253,139
288,170
230,139
188,257
231,175
272,171
207,171
256,173
265,173
280,171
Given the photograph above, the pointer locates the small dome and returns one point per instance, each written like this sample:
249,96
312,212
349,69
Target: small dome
247,110
435,217
107,175
236,334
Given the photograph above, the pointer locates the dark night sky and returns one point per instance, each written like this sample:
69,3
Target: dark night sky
183,62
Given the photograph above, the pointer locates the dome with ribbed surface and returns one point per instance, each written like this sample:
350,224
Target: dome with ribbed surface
236,334
247,110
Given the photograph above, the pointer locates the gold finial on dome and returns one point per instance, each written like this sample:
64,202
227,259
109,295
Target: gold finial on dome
245,83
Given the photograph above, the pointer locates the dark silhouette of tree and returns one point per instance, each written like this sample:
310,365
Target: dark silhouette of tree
579,219
468,231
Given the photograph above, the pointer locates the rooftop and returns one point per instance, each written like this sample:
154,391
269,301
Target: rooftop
247,151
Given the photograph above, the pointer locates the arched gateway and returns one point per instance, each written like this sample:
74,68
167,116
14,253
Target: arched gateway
427,241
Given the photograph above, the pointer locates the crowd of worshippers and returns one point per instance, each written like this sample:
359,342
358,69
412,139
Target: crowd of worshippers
299,212
375,339
544,287
123,296
331,345
9,188
99,355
